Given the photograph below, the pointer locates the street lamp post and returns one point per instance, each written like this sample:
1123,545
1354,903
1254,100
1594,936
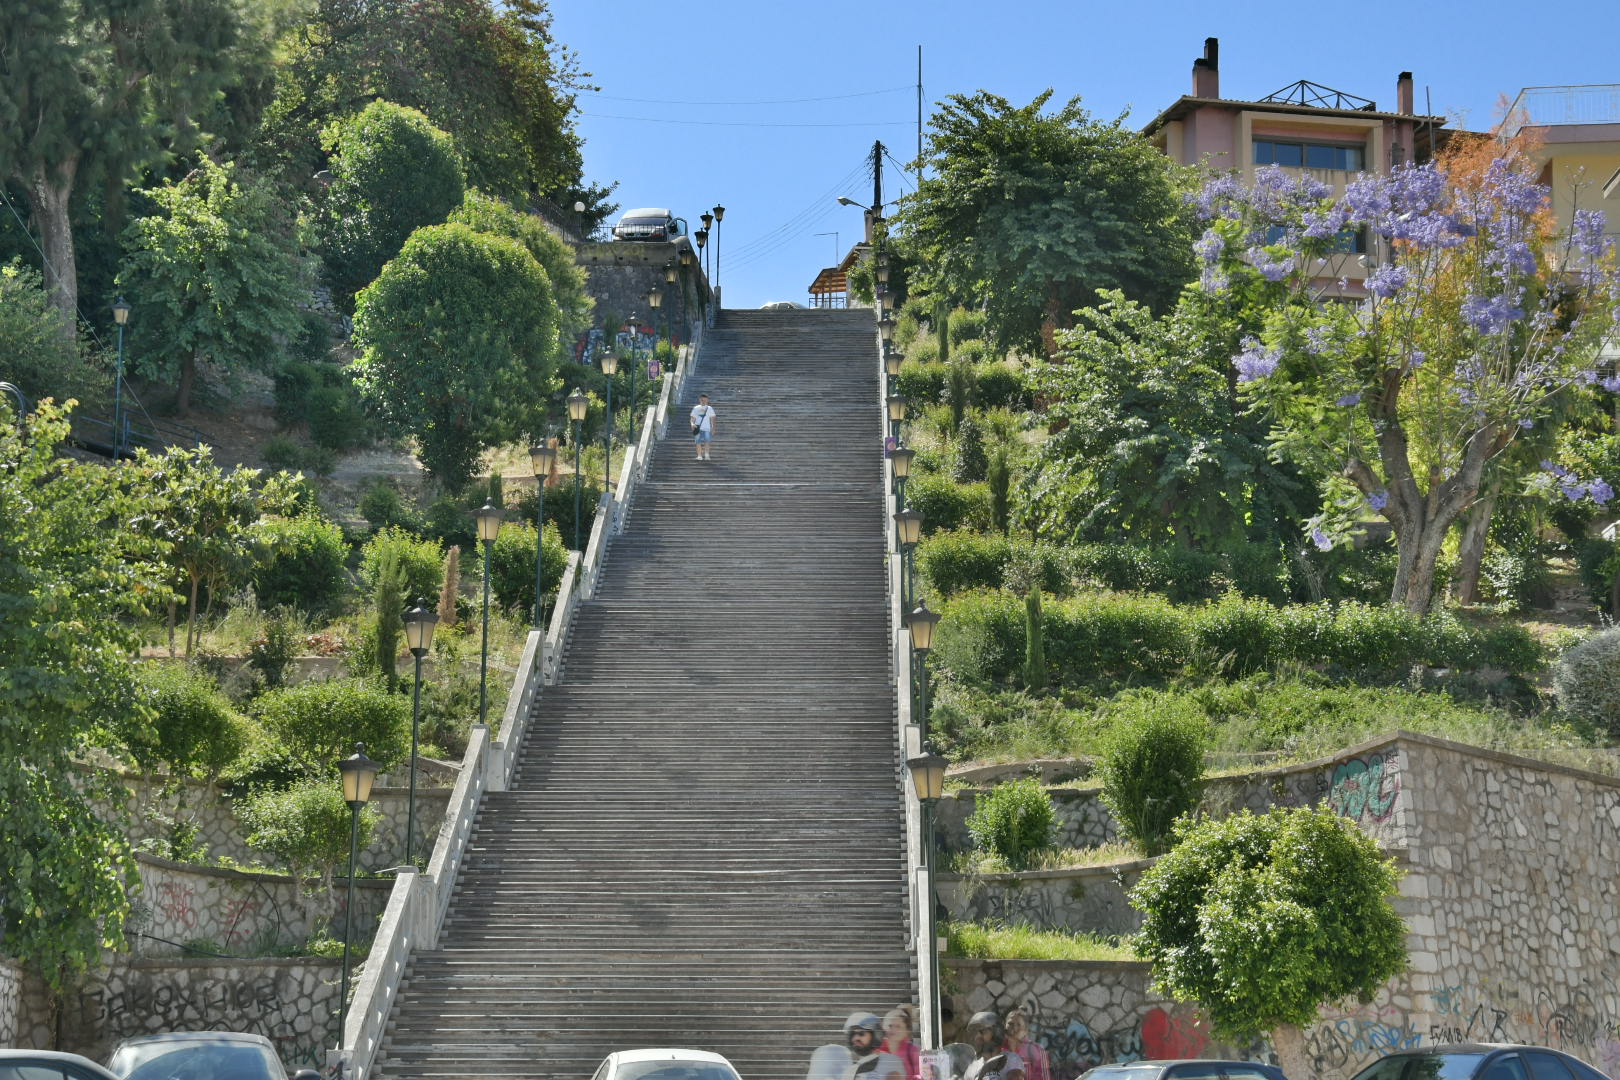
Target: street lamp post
419,623
892,361
928,778
897,413
687,261
900,464
358,772
544,459
578,404
489,518
907,533
671,277
120,316
719,216
579,218
610,368
708,226
922,625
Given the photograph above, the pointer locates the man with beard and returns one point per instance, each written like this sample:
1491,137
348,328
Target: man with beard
863,1034
985,1035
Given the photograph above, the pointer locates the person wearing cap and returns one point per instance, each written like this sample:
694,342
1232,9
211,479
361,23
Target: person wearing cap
993,1062
702,426
863,1034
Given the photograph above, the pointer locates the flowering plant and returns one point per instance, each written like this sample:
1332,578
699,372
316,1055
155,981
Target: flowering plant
1475,314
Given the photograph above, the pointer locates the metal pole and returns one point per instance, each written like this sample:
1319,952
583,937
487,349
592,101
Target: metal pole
607,466
348,919
416,719
118,399
577,546
483,663
931,915
540,559
922,682
635,358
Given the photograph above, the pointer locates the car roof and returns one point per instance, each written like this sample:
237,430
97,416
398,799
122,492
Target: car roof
666,1054
10,1054
646,211
200,1036
1159,1063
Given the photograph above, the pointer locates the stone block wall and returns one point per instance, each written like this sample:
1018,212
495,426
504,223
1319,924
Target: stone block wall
11,1002
242,913
293,1003
1090,899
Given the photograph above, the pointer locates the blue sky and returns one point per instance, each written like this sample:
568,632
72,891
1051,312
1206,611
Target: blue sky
777,167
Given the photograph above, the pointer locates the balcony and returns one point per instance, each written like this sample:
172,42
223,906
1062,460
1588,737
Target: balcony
1559,106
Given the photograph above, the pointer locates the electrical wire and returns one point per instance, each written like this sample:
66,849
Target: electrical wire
778,101
820,202
743,123
86,323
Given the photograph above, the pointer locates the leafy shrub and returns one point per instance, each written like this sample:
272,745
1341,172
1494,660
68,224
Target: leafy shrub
1100,639
511,570
922,383
1179,574
1151,768
560,508
945,504
194,729
1013,821
966,325
319,722
924,350
972,352
271,652
954,561
337,421
450,523
1239,635
387,612
969,461
906,329
304,565
998,478
1586,679
306,827
420,560
1599,564
383,506
1000,385
1034,641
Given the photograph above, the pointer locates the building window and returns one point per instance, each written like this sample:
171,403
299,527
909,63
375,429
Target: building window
1347,242
1308,155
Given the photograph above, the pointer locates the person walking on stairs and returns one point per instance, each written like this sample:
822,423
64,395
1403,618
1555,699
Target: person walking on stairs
702,426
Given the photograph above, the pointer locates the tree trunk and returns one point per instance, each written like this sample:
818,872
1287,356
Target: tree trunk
172,606
1289,1042
191,618
188,379
1420,553
1476,526
49,201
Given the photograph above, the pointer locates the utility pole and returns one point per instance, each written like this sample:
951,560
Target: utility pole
877,189
919,114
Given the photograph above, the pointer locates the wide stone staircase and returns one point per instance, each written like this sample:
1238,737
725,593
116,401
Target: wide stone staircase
702,846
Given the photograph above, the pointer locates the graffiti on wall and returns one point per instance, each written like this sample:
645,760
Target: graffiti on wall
1574,1021
1366,788
1075,1046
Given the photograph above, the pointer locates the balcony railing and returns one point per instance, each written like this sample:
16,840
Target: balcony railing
1555,106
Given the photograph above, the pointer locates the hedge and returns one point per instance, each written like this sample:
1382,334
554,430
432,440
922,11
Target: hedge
945,505
304,567
996,383
1111,638
954,561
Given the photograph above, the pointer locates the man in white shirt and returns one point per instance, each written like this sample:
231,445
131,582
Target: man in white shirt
702,426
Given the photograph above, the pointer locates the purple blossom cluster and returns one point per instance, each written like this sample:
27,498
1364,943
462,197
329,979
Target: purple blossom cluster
1378,500
1255,361
1347,400
1574,489
1492,314
1387,280
1271,267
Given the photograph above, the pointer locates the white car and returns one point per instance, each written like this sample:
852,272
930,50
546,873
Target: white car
665,1065
781,305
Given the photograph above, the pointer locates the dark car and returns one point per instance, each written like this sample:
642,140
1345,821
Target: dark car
1480,1061
48,1065
1186,1069
199,1055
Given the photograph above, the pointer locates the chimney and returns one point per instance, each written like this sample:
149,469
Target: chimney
1207,70
1403,93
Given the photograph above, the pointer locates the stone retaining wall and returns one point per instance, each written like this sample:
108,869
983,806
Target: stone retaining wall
1090,899
291,1002
242,913
11,1001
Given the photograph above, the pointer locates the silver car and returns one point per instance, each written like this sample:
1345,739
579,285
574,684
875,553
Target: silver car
49,1065
199,1055
665,1065
649,223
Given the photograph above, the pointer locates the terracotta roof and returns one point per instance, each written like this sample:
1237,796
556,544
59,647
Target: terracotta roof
831,280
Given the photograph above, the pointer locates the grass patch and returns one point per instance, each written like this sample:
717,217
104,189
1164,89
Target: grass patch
980,862
1022,942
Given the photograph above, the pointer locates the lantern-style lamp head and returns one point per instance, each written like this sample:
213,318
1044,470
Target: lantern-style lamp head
707,219
670,272
927,774
578,405
886,328
120,311
908,528
489,518
419,623
686,256
922,626
892,361
702,237
900,459
883,271
719,212
358,773
610,357
544,459
656,299
897,407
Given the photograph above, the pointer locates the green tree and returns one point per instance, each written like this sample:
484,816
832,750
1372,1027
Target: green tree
35,353
392,173
459,336
1262,919
1151,768
307,827
488,214
72,582
196,729
319,722
389,610
220,274
1033,212
90,93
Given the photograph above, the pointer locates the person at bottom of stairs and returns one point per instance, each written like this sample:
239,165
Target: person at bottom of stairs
863,1032
703,426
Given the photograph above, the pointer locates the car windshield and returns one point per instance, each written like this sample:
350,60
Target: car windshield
1122,1072
1425,1067
673,1070
199,1060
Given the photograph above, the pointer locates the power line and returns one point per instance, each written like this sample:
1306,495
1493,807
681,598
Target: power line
778,101
743,123
821,202
88,325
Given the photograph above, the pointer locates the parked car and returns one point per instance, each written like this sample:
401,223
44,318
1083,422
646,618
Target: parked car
200,1055
1479,1061
49,1065
781,305
649,223
1186,1069
665,1065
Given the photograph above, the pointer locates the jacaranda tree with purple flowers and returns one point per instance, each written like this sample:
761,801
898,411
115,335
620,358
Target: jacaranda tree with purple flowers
1476,317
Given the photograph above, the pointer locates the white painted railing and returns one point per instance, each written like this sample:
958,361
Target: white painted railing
418,903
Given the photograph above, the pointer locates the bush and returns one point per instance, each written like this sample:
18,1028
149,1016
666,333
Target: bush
1151,769
1179,574
945,504
306,827
560,508
337,421
319,722
194,729
270,653
1000,385
966,325
969,462
1239,635
922,383
383,506
1013,821
511,570
34,353
422,561
952,562
1599,562
1586,679
304,565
